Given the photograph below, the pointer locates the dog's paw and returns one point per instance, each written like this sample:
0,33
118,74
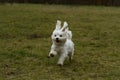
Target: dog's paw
52,55
60,64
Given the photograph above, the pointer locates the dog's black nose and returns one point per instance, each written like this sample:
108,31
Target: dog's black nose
57,38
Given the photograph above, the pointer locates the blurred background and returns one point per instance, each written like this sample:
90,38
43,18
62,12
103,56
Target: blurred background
81,2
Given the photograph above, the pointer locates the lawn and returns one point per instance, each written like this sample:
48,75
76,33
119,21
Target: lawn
25,40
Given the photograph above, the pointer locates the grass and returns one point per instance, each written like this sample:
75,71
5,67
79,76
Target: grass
25,31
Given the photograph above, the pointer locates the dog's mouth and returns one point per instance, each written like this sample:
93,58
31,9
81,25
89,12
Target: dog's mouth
57,40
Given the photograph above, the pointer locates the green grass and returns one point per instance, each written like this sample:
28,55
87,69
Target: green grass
25,31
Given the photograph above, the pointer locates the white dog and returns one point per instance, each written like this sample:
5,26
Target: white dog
62,43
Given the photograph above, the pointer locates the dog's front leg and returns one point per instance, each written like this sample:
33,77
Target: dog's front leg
61,59
52,52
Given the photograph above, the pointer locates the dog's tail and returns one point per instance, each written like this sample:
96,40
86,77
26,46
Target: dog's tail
69,34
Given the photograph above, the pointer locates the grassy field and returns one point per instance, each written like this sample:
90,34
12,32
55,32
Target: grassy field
25,41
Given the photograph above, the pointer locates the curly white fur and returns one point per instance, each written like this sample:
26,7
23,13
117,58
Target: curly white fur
62,43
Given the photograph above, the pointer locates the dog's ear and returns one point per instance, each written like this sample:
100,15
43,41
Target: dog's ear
58,25
65,27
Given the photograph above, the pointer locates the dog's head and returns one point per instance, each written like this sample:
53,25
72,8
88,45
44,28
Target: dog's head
59,35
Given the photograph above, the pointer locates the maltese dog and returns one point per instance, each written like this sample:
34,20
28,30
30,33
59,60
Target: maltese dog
62,43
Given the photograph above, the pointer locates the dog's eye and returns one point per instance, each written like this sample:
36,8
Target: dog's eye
55,35
60,35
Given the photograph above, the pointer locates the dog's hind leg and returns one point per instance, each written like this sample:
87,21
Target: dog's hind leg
61,59
70,55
